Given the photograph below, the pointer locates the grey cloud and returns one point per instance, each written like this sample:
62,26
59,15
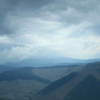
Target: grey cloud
66,22
81,10
16,8
84,10
6,7
82,5
8,46
33,4
95,29
40,9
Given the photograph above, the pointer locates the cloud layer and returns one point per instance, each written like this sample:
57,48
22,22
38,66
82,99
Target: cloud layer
49,28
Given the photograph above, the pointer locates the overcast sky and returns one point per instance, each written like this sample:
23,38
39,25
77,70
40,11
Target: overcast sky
49,28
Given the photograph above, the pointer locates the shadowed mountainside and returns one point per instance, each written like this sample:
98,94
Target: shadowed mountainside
43,62
88,89
20,84
4,68
4,99
83,85
56,72
21,73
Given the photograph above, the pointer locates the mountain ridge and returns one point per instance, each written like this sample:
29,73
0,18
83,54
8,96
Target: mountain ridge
61,93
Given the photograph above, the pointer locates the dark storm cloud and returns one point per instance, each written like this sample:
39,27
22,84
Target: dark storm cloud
67,12
16,8
6,7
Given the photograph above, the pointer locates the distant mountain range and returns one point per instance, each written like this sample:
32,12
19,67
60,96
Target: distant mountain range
83,85
44,62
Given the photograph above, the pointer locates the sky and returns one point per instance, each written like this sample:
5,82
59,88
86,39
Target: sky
49,28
